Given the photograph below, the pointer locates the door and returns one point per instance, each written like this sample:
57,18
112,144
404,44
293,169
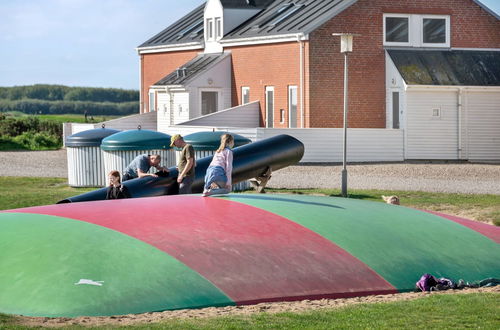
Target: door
431,125
209,102
270,106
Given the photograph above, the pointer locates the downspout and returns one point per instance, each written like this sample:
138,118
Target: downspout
301,70
459,122
141,91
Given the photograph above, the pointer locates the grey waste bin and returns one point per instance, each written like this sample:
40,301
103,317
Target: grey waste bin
85,161
206,143
121,148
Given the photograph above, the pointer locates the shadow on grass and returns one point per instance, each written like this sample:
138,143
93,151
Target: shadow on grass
9,145
282,199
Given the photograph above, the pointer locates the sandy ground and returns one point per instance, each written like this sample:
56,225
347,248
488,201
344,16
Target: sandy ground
272,308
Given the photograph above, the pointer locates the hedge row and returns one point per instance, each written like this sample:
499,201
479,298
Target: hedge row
69,107
14,126
66,93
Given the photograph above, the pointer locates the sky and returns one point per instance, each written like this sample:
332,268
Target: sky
87,43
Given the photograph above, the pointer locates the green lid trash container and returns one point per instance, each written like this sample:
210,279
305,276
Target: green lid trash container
121,148
85,159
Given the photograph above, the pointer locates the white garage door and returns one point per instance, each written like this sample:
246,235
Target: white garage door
483,123
431,125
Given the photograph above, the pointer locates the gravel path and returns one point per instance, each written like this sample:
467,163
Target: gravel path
432,177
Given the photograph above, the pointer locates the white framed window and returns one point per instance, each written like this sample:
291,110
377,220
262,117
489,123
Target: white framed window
397,29
292,106
218,28
245,95
209,101
436,113
416,30
209,29
435,30
151,101
282,116
269,106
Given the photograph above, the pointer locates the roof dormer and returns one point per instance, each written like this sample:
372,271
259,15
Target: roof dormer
223,16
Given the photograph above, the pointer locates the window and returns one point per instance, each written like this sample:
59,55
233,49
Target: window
151,101
434,31
436,113
208,102
194,28
395,109
397,29
282,116
210,29
292,106
269,106
417,30
218,28
245,95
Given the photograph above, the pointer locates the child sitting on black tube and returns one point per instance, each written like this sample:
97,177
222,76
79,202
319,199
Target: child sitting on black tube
116,190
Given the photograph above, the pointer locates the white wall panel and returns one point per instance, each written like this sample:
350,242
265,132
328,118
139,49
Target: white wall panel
483,125
428,136
246,115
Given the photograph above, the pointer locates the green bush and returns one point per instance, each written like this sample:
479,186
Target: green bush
12,126
30,106
38,141
29,133
60,93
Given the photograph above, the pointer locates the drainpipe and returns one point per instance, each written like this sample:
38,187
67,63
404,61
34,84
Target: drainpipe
459,122
301,70
141,85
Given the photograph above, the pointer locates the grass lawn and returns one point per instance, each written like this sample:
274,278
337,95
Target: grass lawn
42,191
473,310
19,192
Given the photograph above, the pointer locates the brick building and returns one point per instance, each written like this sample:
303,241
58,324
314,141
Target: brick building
282,54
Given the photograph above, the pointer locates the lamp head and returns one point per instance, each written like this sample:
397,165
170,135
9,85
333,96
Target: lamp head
346,41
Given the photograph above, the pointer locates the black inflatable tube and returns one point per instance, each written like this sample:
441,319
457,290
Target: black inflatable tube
249,161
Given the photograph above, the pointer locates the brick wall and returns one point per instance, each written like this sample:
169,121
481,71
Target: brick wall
471,27
155,66
259,66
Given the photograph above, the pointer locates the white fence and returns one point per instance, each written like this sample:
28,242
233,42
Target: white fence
325,144
322,145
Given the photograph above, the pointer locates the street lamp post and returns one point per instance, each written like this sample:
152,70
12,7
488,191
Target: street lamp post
346,48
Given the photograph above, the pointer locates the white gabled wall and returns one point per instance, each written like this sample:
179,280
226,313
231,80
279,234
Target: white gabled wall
218,79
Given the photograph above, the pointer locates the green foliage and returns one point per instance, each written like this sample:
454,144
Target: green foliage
60,93
57,99
38,141
31,106
29,133
14,126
